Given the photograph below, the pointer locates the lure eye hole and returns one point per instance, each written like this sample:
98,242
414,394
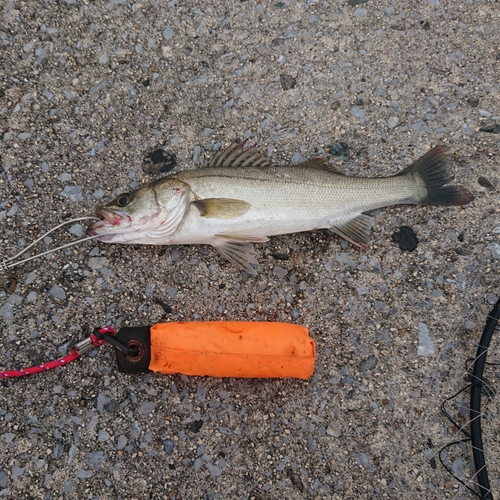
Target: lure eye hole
124,199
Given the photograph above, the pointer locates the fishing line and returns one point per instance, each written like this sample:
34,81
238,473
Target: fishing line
7,263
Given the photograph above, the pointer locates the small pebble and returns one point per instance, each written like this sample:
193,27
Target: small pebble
360,12
420,126
368,364
97,88
280,271
425,342
358,113
147,407
333,430
201,79
168,32
103,436
494,248
73,450
364,460
214,470
73,193
169,446
122,442
83,474
16,472
393,121
95,459
76,230
57,292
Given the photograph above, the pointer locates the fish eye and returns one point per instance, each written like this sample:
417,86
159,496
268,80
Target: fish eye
124,199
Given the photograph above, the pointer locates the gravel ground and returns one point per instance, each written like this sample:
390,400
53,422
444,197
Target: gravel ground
90,89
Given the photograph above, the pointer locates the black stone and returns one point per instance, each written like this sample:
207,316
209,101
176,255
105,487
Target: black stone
287,82
295,479
159,161
340,150
492,128
484,182
280,256
335,105
195,426
406,239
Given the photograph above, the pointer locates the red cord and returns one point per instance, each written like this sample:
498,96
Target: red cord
40,368
74,354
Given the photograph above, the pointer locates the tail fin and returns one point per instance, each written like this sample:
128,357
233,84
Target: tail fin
432,172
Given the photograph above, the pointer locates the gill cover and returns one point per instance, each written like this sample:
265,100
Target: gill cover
149,215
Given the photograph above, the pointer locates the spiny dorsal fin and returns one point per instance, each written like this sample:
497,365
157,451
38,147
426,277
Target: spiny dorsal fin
357,231
318,164
221,208
236,155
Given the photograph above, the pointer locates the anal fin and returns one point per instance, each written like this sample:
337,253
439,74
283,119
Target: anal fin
356,231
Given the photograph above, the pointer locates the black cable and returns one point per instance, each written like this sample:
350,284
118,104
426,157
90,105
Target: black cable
475,403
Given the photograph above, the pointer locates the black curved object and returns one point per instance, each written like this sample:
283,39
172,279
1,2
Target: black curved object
475,403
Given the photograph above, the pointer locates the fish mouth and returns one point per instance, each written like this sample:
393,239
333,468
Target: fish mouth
108,216
107,220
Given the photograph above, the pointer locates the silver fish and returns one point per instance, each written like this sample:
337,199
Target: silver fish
240,199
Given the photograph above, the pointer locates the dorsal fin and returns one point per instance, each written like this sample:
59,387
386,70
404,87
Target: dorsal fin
236,155
318,164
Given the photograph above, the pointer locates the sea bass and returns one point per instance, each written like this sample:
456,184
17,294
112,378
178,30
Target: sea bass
239,198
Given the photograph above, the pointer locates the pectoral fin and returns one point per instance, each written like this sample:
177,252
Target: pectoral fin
221,208
239,251
357,231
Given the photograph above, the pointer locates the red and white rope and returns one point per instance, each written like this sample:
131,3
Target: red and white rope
75,353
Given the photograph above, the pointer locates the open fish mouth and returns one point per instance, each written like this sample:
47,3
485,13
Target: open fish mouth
107,220
108,216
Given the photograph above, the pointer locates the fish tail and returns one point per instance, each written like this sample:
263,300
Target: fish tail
431,172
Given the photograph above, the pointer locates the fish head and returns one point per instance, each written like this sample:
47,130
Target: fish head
148,215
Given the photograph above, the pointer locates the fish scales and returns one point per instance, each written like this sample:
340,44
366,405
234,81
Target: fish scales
290,199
